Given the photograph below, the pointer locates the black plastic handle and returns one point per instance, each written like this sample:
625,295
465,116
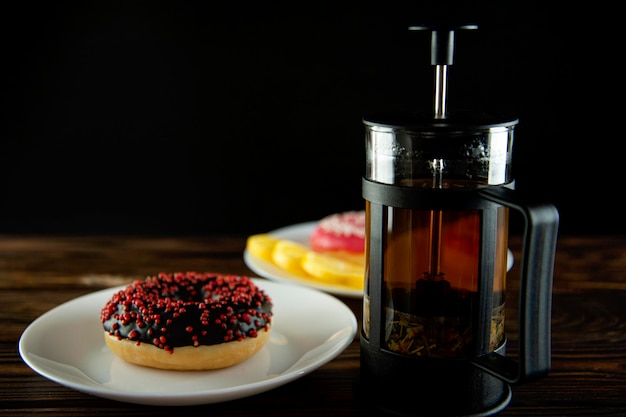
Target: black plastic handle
535,304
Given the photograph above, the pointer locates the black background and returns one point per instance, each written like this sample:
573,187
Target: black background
177,117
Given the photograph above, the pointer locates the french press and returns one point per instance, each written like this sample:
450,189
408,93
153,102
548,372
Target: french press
439,191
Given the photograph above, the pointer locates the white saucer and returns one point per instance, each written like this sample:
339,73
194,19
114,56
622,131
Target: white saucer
66,345
301,233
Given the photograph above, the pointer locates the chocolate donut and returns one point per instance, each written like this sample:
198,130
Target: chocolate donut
187,321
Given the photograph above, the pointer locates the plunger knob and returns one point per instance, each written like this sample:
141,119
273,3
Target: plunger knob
441,55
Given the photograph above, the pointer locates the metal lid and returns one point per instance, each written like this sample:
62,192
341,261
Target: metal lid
454,121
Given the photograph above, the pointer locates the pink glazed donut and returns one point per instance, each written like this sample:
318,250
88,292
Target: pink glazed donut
340,232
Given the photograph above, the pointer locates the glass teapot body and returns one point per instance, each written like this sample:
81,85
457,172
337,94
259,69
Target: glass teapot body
438,195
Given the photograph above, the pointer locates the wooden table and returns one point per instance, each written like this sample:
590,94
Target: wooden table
588,375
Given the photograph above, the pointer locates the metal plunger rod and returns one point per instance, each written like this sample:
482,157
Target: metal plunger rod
441,55
441,91
436,218
434,257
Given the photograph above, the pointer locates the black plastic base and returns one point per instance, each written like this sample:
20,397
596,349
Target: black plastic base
369,401
412,386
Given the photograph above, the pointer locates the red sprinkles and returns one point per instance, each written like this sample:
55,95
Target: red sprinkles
187,309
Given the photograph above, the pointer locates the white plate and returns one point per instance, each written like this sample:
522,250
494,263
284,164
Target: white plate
301,233
298,233
66,345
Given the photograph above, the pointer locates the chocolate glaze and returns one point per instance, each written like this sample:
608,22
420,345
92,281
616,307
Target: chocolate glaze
187,309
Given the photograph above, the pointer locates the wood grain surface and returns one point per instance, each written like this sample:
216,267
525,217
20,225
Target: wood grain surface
588,375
